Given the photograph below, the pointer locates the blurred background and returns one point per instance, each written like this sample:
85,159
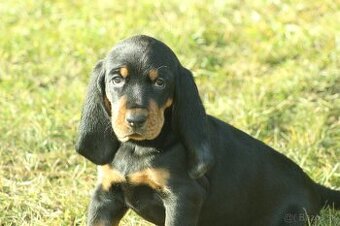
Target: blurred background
270,68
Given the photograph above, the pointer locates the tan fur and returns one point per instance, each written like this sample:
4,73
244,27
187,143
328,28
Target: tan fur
153,74
108,176
119,124
151,128
155,178
155,121
107,105
168,103
124,72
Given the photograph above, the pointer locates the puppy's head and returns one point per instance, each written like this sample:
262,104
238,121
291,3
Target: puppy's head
139,86
127,97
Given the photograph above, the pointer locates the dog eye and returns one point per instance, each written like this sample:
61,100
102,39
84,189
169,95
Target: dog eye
159,83
117,80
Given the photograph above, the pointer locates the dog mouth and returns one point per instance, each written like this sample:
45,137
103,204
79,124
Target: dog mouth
137,135
127,133
134,135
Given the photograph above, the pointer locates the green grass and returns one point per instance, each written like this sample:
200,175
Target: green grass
271,68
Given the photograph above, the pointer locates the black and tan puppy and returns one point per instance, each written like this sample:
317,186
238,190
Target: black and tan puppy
163,157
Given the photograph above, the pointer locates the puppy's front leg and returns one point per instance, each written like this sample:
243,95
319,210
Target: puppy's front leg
107,207
183,204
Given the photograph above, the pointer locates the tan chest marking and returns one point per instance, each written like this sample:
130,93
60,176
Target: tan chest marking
108,176
155,178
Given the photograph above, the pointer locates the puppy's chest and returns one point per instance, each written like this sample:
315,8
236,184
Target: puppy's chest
134,167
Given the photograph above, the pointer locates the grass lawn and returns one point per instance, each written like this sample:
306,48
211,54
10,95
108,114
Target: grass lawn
270,68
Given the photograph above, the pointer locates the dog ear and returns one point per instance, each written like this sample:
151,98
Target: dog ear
96,139
190,122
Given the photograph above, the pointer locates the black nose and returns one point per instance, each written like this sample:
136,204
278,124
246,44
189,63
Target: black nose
136,120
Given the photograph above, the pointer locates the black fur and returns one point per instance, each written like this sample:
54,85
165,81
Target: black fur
96,140
190,122
218,175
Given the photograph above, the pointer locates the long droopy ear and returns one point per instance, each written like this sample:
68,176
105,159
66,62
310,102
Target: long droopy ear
190,122
96,139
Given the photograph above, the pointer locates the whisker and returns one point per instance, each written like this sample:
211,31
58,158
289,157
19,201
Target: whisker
163,66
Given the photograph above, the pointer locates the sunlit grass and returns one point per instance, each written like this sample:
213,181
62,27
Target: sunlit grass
271,68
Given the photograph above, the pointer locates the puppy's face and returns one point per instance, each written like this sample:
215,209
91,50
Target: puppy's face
139,87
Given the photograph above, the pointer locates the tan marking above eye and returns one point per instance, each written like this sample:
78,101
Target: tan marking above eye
124,72
153,74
